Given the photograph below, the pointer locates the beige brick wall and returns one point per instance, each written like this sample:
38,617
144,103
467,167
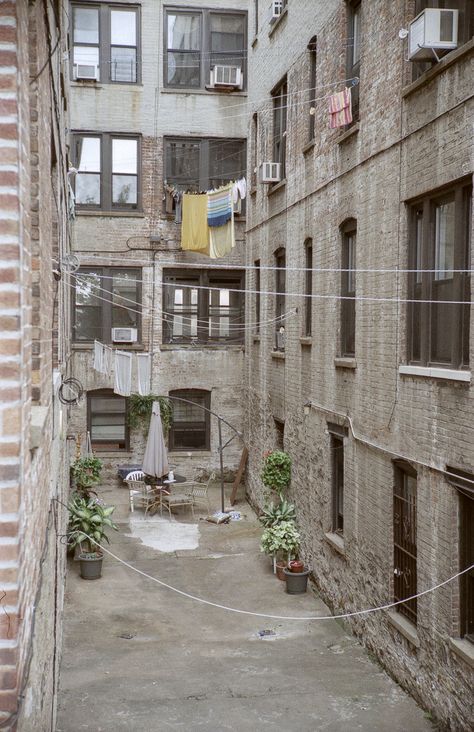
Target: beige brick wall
405,146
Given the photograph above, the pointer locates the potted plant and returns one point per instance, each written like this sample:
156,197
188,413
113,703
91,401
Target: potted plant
276,471
271,516
280,539
89,520
86,472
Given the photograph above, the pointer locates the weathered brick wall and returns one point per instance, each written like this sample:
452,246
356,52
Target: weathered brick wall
31,458
117,239
405,146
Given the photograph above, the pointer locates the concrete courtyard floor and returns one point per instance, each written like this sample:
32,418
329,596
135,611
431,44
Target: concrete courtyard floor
138,656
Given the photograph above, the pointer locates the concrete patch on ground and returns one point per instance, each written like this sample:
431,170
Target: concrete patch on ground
164,534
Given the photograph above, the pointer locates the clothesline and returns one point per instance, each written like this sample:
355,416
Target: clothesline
107,359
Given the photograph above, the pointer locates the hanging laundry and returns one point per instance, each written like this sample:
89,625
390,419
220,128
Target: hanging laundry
144,372
178,208
340,109
107,360
98,362
222,239
123,373
219,205
242,188
194,229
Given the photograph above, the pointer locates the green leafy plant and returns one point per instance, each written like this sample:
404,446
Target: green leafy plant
89,517
274,514
276,472
140,408
283,537
86,472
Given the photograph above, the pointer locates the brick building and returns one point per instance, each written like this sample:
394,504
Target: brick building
369,386
148,122
34,321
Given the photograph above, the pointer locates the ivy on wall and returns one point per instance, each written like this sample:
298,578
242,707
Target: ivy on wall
140,408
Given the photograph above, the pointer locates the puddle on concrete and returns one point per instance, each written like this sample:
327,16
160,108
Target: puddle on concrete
164,534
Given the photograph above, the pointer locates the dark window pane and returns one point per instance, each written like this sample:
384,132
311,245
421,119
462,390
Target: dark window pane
405,542
125,300
227,41
88,325
86,25
190,428
184,69
123,64
107,421
184,32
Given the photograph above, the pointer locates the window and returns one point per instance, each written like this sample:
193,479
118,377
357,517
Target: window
465,25
194,164
105,38
194,313
255,8
257,296
337,480
254,152
348,288
190,425
463,481
107,420
280,289
353,51
279,434
280,102
107,176
197,40
404,540
105,298
308,303
312,86
439,246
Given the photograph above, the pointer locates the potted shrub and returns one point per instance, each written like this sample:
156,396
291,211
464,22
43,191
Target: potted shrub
86,472
280,539
89,520
274,514
276,471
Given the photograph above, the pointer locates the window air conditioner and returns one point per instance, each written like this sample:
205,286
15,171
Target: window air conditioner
270,173
276,9
86,71
433,29
124,335
227,76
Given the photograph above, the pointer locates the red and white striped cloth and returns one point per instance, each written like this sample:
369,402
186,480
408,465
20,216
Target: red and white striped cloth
340,109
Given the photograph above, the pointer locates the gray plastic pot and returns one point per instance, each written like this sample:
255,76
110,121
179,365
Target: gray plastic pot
296,582
91,565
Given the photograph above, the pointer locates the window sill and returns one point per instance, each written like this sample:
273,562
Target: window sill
306,340
464,649
435,373
201,347
344,362
188,453
431,74
111,214
103,84
279,355
215,92
277,187
309,147
348,134
119,454
120,346
405,627
277,22
256,339
336,542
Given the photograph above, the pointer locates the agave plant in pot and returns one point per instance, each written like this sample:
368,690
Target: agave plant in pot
280,539
89,521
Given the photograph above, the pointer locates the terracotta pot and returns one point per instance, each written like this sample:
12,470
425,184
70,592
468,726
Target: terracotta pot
280,566
296,566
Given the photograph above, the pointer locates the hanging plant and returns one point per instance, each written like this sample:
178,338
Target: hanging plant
276,471
140,408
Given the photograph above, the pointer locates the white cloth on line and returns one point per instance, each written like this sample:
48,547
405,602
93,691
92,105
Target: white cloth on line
98,363
108,357
242,187
144,372
123,373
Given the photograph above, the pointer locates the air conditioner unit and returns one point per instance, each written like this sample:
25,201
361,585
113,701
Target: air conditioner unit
276,9
86,71
124,335
432,30
270,173
226,76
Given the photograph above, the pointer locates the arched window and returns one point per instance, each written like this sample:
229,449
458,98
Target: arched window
107,420
280,289
348,287
191,424
308,287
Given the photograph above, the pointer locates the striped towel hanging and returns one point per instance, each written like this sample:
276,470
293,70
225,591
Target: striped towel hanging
219,206
340,109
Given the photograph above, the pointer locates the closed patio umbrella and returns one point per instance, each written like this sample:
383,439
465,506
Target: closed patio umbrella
155,459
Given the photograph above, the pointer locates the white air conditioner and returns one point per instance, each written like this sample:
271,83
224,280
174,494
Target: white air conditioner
86,71
432,30
276,9
124,335
270,173
226,76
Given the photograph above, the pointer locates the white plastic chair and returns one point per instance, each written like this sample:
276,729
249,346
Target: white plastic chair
138,490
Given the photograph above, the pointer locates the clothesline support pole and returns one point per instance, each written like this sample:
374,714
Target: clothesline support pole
221,458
